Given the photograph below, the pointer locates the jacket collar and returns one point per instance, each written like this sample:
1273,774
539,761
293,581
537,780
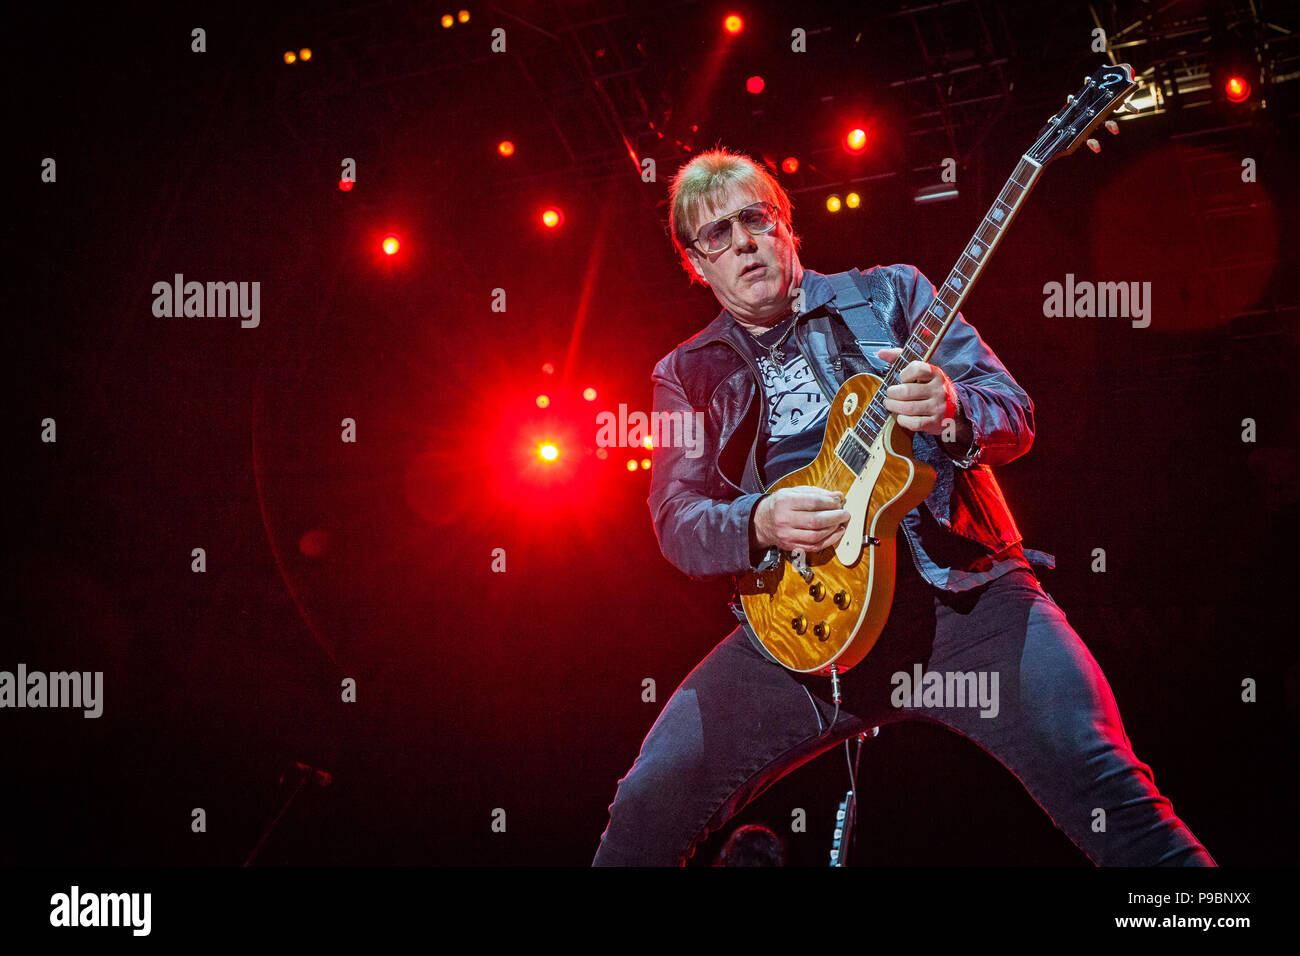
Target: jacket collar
817,292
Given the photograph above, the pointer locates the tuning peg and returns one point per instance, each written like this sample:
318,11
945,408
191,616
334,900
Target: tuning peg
1094,145
1112,127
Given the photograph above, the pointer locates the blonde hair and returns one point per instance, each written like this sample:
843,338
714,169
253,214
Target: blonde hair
708,175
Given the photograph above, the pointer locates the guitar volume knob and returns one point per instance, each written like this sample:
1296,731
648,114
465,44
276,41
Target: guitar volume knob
818,591
799,624
821,630
841,599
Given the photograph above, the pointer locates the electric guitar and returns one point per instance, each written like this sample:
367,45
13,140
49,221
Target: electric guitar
822,612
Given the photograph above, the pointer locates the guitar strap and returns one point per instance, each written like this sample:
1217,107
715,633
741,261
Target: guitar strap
866,303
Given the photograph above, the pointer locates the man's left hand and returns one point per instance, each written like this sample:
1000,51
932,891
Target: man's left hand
925,400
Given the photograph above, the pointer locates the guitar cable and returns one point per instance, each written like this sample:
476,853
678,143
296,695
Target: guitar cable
835,696
851,811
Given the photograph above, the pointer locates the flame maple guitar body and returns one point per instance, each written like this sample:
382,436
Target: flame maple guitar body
829,607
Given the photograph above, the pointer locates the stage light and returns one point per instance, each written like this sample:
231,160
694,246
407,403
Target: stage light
755,84
391,245
589,394
552,217
833,203
645,463
789,165
853,200
647,442
463,16
935,193
1237,89
631,464
314,543
290,56
506,148
346,185
548,368
543,401
855,140
448,21
602,453
733,24
547,451
304,54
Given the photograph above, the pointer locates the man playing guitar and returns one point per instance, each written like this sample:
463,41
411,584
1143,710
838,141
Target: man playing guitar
968,613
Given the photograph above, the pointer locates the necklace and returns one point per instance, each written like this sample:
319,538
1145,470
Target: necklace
775,350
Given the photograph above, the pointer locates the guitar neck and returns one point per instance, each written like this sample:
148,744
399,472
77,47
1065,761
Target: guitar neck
938,317
932,327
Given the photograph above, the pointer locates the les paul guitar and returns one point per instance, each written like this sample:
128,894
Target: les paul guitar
818,611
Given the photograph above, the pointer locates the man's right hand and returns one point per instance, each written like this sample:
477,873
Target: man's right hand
803,518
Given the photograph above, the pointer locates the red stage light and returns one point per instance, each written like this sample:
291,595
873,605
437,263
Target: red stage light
855,140
548,368
547,451
543,401
589,394
346,185
1237,89
755,84
314,543
733,24
506,148
552,218
391,244
789,165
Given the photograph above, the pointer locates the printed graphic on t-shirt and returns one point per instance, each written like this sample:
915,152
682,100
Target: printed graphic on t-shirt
794,402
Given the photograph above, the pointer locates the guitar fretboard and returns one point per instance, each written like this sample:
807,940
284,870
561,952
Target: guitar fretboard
854,447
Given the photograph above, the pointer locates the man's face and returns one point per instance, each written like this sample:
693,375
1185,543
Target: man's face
755,277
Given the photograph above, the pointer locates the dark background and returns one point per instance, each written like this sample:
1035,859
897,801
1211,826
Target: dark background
522,690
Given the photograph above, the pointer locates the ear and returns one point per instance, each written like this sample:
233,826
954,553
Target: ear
695,264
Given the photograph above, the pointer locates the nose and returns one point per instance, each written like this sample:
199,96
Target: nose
747,242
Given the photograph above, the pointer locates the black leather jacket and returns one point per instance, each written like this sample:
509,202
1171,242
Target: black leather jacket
702,503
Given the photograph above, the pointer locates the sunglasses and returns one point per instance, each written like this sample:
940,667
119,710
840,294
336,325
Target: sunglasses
757,220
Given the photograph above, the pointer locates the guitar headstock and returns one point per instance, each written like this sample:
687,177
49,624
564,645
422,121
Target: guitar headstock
1101,94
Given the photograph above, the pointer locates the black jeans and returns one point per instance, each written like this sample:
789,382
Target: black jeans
739,722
